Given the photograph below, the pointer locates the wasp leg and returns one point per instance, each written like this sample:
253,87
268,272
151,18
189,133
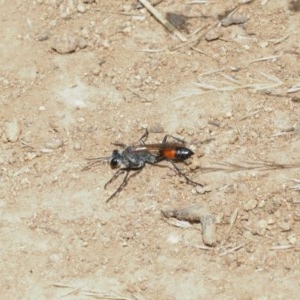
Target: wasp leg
182,174
119,145
164,141
144,137
115,176
124,182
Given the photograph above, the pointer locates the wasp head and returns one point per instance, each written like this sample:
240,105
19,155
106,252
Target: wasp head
116,159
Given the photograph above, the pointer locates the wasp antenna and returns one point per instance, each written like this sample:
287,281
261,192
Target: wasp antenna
94,162
99,158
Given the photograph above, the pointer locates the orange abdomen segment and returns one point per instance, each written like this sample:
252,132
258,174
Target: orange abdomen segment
178,153
169,153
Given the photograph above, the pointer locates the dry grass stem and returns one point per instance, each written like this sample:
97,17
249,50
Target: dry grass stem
231,250
186,43
280,40
152,50
248,166
195,32
231,79
89,293
228,88
202,247
271,78
232,222
61,285
75,291
282,247
192,38
178,223
259,82
273,58
257,111
294,89
198,2
106,297
297,186
285,131
197,50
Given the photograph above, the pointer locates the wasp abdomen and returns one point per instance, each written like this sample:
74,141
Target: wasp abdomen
178,153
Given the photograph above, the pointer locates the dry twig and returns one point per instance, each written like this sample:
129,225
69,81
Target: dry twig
197,213
162,20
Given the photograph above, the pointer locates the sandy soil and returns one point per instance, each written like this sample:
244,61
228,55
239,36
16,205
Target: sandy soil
79,76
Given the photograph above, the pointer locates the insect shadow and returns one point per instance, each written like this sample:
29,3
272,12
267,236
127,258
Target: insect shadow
134,158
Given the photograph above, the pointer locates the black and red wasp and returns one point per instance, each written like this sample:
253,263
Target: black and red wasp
134,158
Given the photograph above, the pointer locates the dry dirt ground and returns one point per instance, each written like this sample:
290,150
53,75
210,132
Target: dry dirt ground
79,76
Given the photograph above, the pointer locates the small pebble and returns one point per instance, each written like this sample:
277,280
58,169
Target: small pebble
156,129
12,130
233,19
270,220
292,239
180,130
82,43
261,204
264,44
284,226
30,156
150,97
277,213
228,115
233,139
81,7
56,258
261,227
127,8
195,66
85,32
126,30
250,204
43,36
213,34
77,146
85,244
81,120
55,143
203,189
105,44
96,71
196,164
65,44
174,238
297,216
